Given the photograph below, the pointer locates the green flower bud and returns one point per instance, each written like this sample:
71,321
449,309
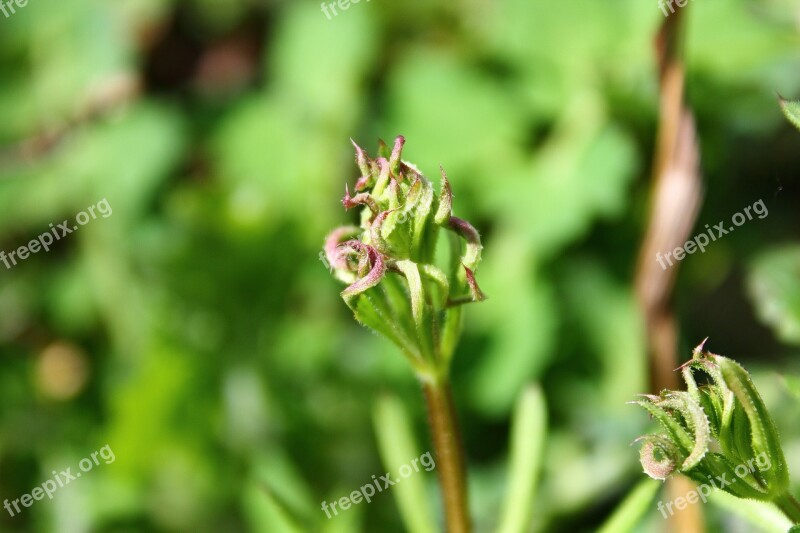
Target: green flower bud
718,433
396,287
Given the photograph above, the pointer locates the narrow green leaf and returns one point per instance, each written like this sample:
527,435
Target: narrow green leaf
692,412
711,402
677,432
528,436
397,447
421,222
440,279
728,400
633,508
419,310
451,330
266,513
717,466
396,292
764,434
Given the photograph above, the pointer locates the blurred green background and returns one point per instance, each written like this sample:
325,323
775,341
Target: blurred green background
196,332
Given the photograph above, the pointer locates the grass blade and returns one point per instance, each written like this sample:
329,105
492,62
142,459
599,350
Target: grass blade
397,447
635,505
528,435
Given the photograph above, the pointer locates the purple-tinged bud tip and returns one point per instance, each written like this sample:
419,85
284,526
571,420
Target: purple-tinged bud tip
445,210
373,277
375,229
397,152
359,199
362,160
363,182
477,294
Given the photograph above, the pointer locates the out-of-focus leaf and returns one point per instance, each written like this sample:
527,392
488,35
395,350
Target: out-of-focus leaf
265,512
529,34
613,331
633,508
581,173
456,118
792,111
762,516
793,385
528,436
86,169
774,285
518,317
397,446
302,121
349,522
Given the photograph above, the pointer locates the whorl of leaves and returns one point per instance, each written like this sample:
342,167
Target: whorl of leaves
716,431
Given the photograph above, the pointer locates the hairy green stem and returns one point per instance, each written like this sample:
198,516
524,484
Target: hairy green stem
449,454
790,506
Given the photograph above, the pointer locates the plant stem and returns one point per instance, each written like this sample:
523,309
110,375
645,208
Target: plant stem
449,454
790,506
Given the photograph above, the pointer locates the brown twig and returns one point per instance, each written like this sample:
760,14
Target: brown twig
449,455
675,201
104,97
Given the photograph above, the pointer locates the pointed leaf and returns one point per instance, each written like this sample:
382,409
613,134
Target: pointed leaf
792,111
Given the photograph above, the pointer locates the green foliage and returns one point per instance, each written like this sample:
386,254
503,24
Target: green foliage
218,357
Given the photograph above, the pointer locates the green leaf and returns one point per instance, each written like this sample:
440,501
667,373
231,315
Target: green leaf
528,436
676,431
764,434
635,505
419,310
398,446
694,416
792,111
